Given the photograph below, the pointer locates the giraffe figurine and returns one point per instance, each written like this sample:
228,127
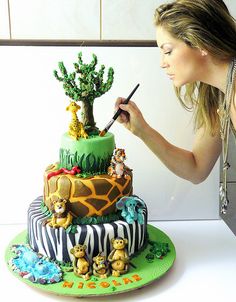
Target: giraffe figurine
76,128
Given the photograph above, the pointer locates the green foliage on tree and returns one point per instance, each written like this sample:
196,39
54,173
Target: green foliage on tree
85,84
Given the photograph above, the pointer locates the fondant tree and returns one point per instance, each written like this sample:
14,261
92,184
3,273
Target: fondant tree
85,84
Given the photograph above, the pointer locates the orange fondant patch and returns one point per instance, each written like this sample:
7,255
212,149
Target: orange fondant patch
116,283
68,284
127,281
80,285
104,284
136,277
91,284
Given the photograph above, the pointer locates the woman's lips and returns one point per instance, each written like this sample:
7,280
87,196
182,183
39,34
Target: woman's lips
171,76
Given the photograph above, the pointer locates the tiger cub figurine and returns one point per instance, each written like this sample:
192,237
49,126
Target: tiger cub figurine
117,167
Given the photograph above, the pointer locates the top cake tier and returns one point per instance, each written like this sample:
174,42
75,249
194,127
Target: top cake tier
91,155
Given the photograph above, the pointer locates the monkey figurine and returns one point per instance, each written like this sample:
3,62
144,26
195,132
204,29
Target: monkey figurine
119,258
100,266
81,265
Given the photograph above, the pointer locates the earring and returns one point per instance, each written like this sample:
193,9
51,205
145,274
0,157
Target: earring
203,53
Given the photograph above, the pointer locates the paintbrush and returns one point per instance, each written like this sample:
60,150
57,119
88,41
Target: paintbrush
118,112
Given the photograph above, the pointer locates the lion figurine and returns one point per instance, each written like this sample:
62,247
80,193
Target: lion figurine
61,216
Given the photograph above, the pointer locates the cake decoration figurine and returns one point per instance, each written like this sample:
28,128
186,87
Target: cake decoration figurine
100,266
76,128
158,250
85,84
81,263
119,258
131,208
61,216
117,167
33,267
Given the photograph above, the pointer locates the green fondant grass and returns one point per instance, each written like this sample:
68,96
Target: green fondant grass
87,163
147,272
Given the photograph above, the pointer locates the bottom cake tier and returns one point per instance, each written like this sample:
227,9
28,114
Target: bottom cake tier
56,243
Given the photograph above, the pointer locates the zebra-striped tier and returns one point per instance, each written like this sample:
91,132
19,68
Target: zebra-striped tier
56,242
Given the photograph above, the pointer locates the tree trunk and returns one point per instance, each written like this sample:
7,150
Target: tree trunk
88,118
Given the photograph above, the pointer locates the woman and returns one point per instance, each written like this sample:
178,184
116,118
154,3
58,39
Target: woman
197,41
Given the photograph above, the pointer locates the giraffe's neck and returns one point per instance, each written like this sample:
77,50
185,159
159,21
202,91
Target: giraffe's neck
74,117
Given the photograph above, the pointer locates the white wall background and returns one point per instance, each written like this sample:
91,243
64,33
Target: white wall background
33,118
81,19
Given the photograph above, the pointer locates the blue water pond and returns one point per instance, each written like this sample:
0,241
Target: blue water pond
33,266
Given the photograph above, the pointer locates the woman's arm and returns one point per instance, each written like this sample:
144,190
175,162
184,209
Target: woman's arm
193,165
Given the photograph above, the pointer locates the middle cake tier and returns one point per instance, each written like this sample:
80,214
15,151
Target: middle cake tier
92,196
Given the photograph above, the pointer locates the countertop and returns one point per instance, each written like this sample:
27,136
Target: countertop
204,270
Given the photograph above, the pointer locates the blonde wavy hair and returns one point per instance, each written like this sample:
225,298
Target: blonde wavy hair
203,24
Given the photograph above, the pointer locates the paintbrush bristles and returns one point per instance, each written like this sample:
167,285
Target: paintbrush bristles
102,133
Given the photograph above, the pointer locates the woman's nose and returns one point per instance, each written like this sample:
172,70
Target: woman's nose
163,63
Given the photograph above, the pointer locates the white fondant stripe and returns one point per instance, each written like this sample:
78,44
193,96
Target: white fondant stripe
123,223
60,245
120,229
100,239
133,239
69,247
50,231
140,237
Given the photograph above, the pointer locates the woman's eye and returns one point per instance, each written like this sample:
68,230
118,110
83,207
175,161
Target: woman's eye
167,53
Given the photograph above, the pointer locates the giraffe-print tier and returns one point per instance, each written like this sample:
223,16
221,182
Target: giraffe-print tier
56,242
93,196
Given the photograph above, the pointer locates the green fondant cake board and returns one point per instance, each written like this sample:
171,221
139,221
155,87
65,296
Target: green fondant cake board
142,275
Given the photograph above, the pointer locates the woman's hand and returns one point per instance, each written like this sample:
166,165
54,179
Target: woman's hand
131,117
